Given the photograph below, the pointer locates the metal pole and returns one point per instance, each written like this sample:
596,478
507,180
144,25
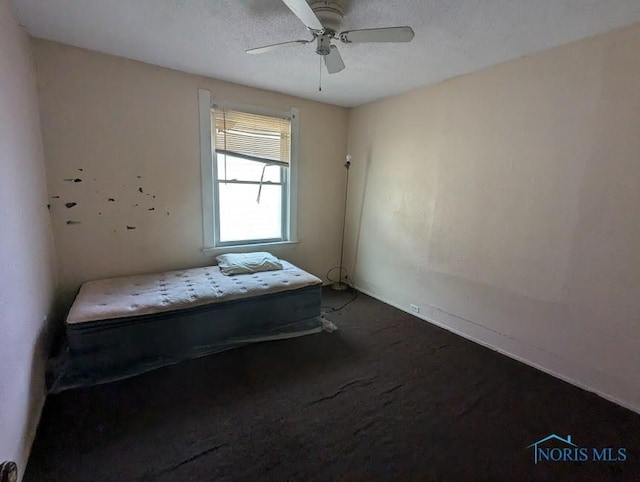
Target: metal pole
340,286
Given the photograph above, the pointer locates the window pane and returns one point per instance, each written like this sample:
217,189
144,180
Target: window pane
244,170
244,219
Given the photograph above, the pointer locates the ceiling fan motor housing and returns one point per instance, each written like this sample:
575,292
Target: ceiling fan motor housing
324,44
330,14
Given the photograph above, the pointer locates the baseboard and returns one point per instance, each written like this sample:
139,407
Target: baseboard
609,388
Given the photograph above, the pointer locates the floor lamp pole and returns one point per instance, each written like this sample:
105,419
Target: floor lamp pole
339,285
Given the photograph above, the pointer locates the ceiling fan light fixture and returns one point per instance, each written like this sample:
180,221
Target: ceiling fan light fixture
324,44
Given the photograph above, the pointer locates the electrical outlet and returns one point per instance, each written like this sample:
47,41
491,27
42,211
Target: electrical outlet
414,308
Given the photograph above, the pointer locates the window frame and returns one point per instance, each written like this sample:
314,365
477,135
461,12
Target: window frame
284,210
209,177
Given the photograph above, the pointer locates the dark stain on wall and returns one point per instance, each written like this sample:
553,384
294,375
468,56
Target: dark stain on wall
80,170
70,205
49,207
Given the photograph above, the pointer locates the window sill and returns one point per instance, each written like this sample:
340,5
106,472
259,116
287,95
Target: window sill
245,248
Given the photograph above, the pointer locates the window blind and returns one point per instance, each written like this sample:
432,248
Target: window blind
251,136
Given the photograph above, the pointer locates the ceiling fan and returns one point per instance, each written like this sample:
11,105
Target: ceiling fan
324,19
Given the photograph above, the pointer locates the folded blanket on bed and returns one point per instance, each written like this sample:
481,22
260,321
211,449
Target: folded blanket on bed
245,263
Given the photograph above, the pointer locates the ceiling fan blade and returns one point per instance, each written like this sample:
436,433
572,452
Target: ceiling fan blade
333,61
303,11
389,34
269,48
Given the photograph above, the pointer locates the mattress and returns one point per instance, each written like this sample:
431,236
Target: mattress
123,297
122,327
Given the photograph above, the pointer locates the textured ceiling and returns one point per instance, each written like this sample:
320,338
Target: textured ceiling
209,37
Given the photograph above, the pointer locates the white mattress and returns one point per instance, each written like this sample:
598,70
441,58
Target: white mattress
173,290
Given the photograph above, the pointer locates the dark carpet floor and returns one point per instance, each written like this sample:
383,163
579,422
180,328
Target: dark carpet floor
388,396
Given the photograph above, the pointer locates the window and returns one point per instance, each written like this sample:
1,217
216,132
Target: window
248,174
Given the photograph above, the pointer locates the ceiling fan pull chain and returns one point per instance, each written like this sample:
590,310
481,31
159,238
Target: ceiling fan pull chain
320,81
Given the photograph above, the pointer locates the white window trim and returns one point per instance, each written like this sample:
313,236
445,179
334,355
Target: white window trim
248,247
205,104
206,167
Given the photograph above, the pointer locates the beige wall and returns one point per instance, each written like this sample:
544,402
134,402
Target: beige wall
505,204
26,255
121,125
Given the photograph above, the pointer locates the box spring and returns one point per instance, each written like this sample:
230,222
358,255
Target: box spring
112,349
